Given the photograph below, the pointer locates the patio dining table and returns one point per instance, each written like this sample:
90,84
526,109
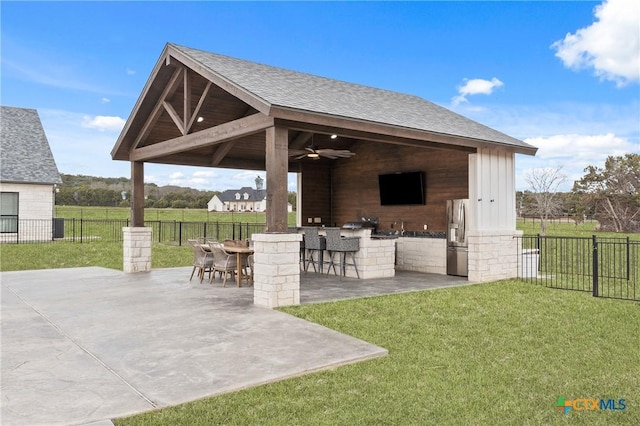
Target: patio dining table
240,251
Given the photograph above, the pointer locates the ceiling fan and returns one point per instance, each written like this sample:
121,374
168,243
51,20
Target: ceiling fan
314,153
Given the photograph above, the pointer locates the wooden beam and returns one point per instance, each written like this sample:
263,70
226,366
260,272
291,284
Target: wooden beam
169,89
137,193
277,160
300,140
215,135
186,102
222,150
196,112
174,116
381,132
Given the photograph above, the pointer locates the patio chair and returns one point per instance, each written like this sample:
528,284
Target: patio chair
202,259
342,246
314,244
211,241
250,267
223,263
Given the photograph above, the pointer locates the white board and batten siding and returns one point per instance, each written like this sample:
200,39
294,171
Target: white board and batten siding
492,194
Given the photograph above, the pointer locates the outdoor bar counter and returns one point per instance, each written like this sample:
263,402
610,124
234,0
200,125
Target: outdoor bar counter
382,253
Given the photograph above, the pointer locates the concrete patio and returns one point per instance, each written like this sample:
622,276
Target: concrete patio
85,345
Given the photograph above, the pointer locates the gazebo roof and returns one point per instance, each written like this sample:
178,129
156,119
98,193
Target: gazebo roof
237,99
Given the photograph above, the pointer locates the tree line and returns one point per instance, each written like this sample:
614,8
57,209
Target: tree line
83,190
609,194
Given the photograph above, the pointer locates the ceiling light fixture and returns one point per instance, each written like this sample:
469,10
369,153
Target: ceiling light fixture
200,120
334,136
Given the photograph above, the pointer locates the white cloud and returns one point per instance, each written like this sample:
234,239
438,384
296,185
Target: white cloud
578,147
105,100
130,71
572,152
205,174
103,123
176,175
475,86
611,45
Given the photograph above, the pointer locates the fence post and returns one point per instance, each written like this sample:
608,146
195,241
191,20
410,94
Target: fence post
81,226
595,266
180,234
628,259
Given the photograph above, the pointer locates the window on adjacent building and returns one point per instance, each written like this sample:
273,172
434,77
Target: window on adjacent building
237,195
246,196
8,212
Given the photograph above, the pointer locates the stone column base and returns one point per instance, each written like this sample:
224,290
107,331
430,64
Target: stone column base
136,251
276,276
493,255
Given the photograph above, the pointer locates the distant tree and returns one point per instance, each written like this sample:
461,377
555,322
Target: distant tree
179,204
291,198
613,192
544,184
161,204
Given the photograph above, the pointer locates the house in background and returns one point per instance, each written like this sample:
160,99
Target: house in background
28,175
245,199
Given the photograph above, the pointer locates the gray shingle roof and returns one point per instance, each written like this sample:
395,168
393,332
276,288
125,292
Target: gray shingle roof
254,194
291,89
25,155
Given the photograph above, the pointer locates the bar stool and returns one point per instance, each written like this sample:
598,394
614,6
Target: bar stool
342,246
313,243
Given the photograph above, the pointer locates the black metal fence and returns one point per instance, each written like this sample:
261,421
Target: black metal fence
110,230
605,266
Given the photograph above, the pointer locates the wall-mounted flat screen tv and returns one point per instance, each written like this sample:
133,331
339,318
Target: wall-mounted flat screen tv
402,188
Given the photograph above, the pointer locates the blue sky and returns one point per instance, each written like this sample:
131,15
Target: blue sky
563,76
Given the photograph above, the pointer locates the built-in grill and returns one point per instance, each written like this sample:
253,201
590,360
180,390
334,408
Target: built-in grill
353,225
359,224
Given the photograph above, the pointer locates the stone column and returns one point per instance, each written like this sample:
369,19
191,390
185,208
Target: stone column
136,251
276,277
493,255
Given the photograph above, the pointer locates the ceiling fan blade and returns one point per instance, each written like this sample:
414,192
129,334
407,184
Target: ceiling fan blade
344,153
294,152
301,157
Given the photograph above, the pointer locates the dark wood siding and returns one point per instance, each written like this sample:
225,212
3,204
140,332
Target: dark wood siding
352,184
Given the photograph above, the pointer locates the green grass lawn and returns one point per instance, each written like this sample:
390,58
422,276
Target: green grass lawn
490,354
496,353
184,215
21,257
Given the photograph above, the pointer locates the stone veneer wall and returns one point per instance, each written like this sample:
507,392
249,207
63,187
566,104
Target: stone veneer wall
375,259
276,277
422,255
493,255
136,247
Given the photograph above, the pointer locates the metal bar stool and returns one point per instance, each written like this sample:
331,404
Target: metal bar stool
313,243
342,246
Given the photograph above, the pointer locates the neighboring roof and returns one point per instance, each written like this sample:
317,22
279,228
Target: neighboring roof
254,194
25,155
299,91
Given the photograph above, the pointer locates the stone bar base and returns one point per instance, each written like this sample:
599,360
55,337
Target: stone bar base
421,255
276,276
375,259
136,251
493,255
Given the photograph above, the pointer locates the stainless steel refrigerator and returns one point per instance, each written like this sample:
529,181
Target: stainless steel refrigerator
457,249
